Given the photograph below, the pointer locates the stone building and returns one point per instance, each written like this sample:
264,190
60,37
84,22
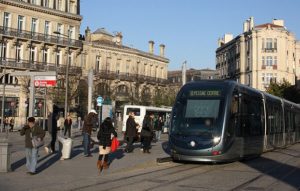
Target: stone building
260,54
37,35
122,74
175,77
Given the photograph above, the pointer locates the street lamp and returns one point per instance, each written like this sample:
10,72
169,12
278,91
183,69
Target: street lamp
67,75
4,83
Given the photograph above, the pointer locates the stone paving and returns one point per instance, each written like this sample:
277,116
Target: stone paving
53,171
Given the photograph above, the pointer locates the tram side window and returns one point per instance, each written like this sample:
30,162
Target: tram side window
289,120
251,116
275,115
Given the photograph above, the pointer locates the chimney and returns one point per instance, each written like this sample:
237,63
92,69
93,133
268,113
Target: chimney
119,38
220,42
251,23
87,34
246,26
162,50
151,46
227,38
278,22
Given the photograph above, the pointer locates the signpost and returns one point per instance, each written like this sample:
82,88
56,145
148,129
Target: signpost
99,103
42,78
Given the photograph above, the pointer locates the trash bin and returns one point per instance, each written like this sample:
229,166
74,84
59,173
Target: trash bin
5,154
66,147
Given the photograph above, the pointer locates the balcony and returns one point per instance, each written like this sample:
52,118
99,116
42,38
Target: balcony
112,75
269,50
38,66
40,37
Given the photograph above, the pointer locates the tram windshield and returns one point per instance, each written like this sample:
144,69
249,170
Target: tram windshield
198,114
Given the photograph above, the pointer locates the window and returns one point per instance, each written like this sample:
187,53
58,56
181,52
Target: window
34,26
18,53
59,5
33,54
269,61
6,20
71,34
70,58
269,77
263,43
20,23
263,61
275,43
45,55
47,28
46,3
263,77
58,57
269,43
4,50
33,1
72,7
97,65
59,30
107,67
127,69
118,68
275,60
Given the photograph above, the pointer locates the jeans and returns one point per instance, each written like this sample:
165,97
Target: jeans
157,135
67,129
31,159
86,144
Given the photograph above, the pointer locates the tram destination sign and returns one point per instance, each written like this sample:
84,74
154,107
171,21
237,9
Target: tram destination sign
206,93
44,81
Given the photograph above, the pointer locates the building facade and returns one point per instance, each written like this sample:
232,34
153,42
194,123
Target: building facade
260,54
123,75
175,78
37,35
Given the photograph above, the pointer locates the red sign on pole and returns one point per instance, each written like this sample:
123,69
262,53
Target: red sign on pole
44,81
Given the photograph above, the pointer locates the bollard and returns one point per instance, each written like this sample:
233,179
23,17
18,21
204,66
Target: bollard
5,155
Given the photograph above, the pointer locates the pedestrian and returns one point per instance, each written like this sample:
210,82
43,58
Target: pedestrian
31,131
52,129
11,124
79,123
61,121
105,135
6,123
158,128
68,125
147,132
131,132
90,122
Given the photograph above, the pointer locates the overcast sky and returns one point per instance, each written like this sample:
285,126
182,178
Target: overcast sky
189,28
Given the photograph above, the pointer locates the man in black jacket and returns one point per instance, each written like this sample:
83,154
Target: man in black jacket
131,132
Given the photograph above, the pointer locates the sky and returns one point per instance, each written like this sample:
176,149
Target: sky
189,28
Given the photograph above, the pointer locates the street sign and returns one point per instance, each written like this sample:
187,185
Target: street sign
99,101
44,81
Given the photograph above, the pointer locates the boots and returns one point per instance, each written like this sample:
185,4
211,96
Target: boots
99,164
105,165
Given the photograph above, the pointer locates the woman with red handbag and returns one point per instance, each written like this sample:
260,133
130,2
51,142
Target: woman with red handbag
105,135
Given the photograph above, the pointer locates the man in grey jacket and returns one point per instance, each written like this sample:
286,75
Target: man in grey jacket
30,131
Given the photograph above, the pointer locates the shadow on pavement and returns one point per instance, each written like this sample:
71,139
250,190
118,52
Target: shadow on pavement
18,164
118,154
282,172
54,158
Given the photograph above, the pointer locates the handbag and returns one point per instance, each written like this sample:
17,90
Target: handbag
114,144
37,142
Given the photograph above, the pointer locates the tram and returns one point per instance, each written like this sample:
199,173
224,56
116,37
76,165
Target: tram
221,120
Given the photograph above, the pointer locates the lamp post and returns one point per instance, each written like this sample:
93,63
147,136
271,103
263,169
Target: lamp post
3,85
67,75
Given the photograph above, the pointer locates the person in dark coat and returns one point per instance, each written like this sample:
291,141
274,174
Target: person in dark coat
158,128
90,121
147,132
68,125
131,132
105,135
52,129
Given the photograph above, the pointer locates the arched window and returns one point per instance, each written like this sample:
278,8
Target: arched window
8,79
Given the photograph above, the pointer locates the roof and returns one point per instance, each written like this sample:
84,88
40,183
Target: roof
102,31
268,24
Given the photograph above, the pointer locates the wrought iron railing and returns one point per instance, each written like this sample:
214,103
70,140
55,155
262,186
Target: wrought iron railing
41,37
105,74
38,66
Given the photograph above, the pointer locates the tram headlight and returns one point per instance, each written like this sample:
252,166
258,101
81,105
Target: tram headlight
216,140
